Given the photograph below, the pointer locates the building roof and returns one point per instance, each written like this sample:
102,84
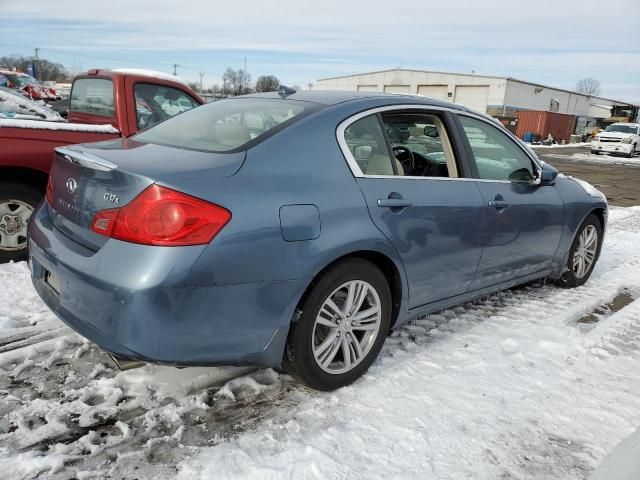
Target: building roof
499,77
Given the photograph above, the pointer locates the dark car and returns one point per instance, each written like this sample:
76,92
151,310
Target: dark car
293,230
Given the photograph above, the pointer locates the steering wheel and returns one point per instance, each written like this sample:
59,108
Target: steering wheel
405,157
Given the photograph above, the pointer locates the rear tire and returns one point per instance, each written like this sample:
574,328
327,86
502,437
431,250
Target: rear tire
583,248
17,203
328,348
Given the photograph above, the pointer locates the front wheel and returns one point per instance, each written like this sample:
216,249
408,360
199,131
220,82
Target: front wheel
632,152
17,203
343,325
584,253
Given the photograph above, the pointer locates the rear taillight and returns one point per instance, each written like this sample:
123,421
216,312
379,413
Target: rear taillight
49,192
164,217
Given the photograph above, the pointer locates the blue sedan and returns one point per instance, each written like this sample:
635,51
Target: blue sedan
298,229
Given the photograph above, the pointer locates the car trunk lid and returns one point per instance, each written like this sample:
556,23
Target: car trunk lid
86,179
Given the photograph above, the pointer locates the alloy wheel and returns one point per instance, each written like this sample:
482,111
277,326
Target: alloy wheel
346,327
585,251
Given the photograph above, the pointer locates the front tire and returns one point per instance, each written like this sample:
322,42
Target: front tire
344,322
632,152
17,203
584,253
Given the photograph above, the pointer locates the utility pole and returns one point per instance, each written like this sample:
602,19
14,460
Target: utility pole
201,77
175,66
35,65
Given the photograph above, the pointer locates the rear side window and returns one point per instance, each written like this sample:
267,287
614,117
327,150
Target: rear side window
368,146
227,125
155,103
93,96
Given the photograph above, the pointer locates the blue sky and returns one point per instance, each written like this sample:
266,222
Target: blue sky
550,42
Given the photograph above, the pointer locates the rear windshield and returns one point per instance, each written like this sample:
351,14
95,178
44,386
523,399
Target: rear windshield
93,95
226,125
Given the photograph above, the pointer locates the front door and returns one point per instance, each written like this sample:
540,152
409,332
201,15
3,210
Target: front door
524,220
434,219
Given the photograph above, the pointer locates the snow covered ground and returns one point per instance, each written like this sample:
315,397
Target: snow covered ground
594,158
535,382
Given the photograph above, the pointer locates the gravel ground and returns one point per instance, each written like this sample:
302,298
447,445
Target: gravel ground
617,177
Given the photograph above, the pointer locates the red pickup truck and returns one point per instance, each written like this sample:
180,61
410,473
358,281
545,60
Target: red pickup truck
104,104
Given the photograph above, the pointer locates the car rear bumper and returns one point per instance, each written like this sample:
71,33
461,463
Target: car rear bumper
132,301
611,147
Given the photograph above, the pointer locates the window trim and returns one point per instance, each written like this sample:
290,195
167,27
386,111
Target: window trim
455,137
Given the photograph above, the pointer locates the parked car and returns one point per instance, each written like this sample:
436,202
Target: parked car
103,105
287,229
27,85
618,138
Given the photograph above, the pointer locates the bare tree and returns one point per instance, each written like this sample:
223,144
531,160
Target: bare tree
46,70
236,82
589,86
267,83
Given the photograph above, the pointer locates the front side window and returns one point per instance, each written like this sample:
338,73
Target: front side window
496,155
93,96
155,103
227,125
366,142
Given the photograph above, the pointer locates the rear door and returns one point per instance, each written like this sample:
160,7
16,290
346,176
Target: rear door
524,220
434,222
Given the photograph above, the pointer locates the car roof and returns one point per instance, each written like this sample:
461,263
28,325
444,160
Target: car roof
626,123
13,72
334,97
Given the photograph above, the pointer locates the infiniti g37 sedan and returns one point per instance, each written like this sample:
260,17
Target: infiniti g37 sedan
296,230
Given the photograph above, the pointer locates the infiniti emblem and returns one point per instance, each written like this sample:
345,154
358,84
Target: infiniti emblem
72,185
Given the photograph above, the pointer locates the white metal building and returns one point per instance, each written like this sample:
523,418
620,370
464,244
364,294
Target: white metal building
493,95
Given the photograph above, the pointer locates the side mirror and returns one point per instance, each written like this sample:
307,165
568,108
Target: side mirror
431,131
546,175
363,152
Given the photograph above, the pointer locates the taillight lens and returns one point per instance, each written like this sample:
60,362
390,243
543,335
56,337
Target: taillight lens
49,192
164,217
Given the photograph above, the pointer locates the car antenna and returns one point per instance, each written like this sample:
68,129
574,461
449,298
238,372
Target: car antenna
285,91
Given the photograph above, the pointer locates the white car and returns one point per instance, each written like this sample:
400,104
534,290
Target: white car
618,138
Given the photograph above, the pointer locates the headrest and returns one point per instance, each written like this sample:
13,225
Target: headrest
231,135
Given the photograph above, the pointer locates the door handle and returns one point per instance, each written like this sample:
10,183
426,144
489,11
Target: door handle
498,204
394,202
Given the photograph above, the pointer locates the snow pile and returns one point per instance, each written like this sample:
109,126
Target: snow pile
16,104
594,158
68,127
562,145
515,385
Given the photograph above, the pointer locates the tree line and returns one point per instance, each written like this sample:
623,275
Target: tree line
238,82
45,70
